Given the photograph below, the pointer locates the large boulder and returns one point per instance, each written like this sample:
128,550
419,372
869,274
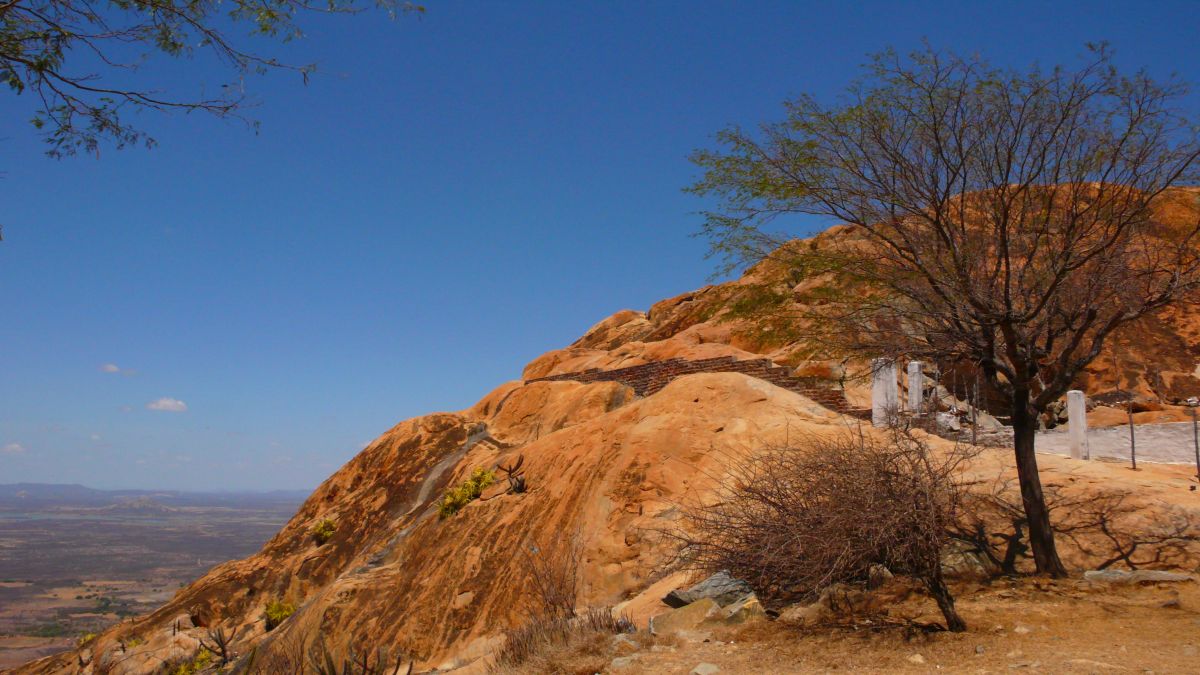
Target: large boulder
684,618
746,609
721,587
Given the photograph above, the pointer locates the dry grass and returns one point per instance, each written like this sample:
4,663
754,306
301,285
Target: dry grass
560,644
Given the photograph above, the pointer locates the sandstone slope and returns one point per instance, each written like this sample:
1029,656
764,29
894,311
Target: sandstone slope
603,465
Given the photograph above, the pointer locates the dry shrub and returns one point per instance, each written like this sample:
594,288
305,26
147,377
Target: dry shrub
1098,529
794,521
533,646
356,661
553,574
554,626
277,655
295,655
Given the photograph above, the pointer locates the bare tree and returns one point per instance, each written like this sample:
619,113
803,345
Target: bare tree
795,521
1006,221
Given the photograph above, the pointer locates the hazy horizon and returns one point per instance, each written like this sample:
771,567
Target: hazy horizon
144,488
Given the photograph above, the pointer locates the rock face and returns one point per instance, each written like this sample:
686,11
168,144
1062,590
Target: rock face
598,464
605,465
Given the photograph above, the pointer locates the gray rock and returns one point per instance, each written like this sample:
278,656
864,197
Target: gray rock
1134,577
625,645
877,576
960,559
721,587
706,669
986,422
946,420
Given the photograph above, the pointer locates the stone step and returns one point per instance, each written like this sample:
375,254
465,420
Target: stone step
646,379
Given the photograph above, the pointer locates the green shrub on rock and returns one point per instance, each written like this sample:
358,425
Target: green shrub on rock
277,612
197,664
323,531
466,492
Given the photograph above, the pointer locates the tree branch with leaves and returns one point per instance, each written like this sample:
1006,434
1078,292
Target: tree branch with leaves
45,44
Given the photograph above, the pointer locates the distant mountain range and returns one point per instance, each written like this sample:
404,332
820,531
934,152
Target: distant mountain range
42,495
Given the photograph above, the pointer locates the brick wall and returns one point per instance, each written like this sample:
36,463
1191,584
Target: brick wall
648,378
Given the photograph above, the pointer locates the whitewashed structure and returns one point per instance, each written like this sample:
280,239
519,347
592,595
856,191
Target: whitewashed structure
1077,425
885,392
916,387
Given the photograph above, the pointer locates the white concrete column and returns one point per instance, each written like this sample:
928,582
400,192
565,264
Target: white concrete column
916,387
885,392
1077,425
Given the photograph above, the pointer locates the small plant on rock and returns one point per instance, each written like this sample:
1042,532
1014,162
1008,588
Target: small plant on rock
323,531
197,664
276,612
219,643
466,492
515,474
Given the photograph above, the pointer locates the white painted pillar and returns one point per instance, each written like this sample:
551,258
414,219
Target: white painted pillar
885,392
916,387
1077,425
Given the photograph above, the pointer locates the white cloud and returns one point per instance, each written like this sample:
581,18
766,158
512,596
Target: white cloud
12,449
95,437
117,370
167,404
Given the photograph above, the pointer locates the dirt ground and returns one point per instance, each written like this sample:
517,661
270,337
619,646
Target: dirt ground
1028,625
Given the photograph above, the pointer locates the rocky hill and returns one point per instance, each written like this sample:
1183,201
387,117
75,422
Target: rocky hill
369,561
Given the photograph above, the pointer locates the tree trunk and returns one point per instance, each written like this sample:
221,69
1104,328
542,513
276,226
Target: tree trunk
1041,534
945,602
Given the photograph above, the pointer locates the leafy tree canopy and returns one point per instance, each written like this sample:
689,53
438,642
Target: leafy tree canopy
1004,220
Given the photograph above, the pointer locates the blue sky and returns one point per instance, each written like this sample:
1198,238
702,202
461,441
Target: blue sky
448,198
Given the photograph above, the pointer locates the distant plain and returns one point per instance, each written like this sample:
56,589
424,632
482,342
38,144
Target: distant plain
75,560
